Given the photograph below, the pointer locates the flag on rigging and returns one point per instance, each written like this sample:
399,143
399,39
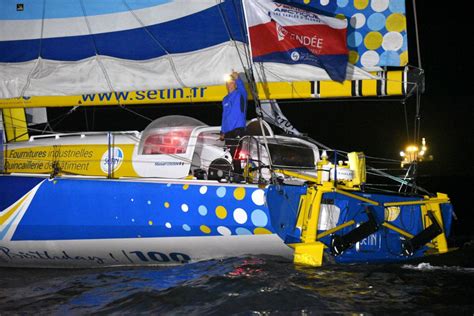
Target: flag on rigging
285,34
270,111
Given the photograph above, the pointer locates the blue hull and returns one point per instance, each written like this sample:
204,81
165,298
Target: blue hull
64,214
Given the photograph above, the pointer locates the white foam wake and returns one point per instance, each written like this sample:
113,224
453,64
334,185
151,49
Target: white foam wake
424,266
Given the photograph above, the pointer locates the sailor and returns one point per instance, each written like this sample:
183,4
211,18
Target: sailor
234,113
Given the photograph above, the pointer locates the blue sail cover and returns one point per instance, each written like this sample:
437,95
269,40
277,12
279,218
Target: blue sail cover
57,47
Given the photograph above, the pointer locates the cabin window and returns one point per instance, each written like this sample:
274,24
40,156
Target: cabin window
170,142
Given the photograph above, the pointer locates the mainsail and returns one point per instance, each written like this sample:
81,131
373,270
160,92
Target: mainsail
89,47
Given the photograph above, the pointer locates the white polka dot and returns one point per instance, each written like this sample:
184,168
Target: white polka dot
203,189
149,202
357,20
369,59
379,5
184,208
258,197
240,216
224,231
324,2
168,225
168,185
132,200
392,41
133,220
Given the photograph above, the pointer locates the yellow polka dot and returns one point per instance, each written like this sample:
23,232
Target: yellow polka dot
373,40
404,58
307,1
185,187
396,23
340,16
261,231
353,57
150,223
205,229
239,193
167,204
361,4
221,212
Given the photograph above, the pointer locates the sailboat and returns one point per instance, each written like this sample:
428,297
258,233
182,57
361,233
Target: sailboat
165,195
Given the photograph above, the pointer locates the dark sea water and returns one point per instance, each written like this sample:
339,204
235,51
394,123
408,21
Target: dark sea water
247,286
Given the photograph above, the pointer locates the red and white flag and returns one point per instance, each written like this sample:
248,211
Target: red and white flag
291,35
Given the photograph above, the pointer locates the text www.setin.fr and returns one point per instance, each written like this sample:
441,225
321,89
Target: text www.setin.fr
164,94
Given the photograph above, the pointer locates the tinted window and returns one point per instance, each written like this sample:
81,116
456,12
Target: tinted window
291,155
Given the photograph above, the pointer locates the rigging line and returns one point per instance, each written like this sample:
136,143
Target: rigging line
153,37
322,100
296,92
307,138
38,60
417,117
417,35
136,113
46,126
18,136
97,56
387,160
406,120
61,118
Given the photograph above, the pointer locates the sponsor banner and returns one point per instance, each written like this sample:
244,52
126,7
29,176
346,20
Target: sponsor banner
286,34
88,160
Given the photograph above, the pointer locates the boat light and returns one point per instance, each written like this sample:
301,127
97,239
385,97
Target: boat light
414,153
241,154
